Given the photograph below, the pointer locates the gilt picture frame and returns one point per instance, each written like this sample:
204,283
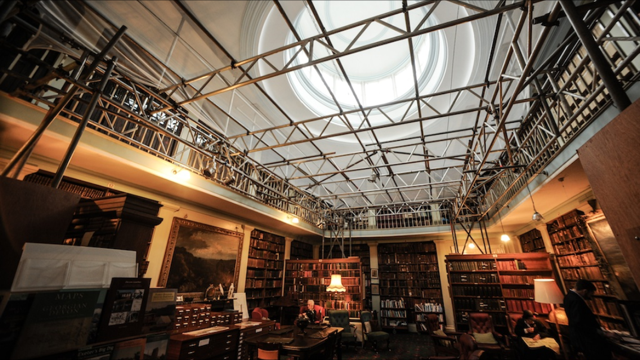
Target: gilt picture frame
209,254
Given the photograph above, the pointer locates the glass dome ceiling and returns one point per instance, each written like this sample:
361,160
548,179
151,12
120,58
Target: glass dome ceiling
376,76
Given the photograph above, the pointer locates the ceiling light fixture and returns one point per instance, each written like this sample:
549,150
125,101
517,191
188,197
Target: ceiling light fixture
536,215
182,173
504,237
373,177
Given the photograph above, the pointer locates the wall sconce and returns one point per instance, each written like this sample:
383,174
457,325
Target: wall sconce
181,173
295,220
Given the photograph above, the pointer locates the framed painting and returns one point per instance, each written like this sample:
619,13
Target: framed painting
374,273
199,255
375,289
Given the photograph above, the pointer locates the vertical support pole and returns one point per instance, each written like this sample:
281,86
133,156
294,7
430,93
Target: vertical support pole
85,120
618,95
25,150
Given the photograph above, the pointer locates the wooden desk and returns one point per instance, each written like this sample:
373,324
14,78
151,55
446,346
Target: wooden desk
216,345
248,332
303,345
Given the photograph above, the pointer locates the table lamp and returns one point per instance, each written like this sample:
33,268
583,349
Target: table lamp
546,291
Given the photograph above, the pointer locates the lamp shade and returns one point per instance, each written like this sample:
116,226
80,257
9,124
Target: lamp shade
546,291
336,284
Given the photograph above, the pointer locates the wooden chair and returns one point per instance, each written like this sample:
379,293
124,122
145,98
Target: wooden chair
259,313
371,332
481,324
269,351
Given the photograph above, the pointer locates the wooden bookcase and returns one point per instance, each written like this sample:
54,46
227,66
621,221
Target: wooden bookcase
264,268
301,250
531,241
409,284
579,257
495,284
308,279
362,251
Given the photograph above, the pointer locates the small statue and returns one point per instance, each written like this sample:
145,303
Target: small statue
209,293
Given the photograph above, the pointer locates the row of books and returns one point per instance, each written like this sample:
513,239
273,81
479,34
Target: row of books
392,304
322,266
512,265
263,283
408,248
566,234
83,191
516,292
478,278
472,265
602,288
569,219
519,279
342,305
263,254
572,246
602,306
317,274
427,283
261,235
408,258
585,272
393,313
406,292
532,245
321,288
393,271
469,290
428,307
478,304
264,263
266,245
423,317
519,306
587,258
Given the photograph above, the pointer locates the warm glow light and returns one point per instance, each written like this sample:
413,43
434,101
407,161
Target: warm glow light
295,220
505,238
182,174
472,245
336,284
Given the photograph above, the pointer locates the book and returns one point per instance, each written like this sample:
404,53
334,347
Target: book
102,352
160,310
123,310
129,349
58,321
156,346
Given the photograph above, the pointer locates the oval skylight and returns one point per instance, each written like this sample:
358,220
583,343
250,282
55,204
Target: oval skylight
380,75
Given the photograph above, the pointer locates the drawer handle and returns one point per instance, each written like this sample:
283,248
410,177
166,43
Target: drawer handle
192,345
191,352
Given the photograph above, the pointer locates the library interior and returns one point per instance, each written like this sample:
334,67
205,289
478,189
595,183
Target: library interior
402,179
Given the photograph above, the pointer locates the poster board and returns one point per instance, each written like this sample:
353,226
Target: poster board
240,304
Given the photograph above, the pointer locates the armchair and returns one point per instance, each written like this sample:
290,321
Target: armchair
340,318
443,343
485,336
464,349
512,320
259,314
317,309
371,332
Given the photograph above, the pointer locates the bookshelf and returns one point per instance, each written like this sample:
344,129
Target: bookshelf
301,250
84,189
362,251
531,241
264,268
495,284
579,257
308,279
409,285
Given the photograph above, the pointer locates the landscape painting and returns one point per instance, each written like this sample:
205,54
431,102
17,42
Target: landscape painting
199,255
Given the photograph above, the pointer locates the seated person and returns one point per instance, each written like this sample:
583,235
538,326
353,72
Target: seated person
315,313
529,326
538,344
